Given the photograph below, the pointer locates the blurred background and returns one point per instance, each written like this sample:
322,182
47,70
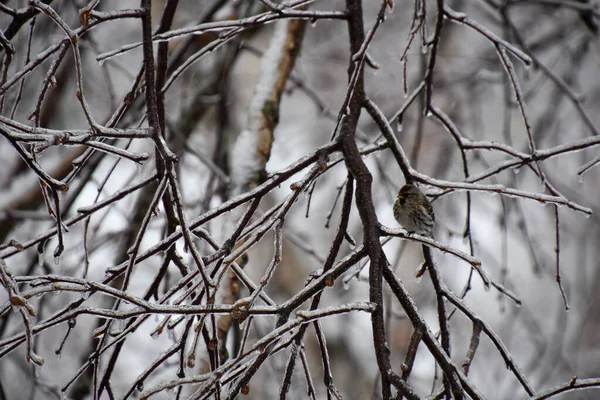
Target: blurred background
207,107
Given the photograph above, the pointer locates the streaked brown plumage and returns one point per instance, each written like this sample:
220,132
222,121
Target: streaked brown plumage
413,211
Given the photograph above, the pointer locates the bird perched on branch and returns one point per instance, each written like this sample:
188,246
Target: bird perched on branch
413,211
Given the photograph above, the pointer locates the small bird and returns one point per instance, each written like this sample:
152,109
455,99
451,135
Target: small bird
413,211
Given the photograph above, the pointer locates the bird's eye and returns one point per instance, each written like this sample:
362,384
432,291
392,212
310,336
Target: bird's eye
402,200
